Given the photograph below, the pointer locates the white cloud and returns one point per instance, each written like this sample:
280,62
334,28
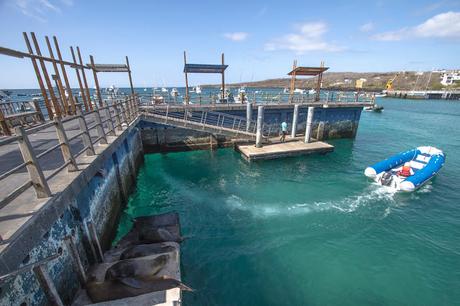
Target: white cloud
39,9
445,25
236,36
309,37
367,27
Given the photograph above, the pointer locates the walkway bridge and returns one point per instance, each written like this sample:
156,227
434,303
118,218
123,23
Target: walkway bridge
205,121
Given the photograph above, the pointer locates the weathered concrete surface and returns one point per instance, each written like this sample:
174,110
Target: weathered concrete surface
95,192
285,149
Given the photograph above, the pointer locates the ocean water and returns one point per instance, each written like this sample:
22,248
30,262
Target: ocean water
313,230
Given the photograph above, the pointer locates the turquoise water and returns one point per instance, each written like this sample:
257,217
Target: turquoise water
312,230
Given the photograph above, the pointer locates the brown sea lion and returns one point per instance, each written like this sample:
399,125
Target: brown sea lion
128,287
136,267
146,250
155,235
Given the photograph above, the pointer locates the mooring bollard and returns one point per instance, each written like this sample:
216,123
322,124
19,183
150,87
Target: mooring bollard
294,120
260,122
309,122
248,115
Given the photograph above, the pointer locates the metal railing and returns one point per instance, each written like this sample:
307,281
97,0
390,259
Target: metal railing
258,97
78,137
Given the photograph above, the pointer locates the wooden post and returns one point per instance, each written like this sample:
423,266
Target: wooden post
65,146
100,127
80,84
33,167
38,110
57,109
58,78
129,75
318,85
186,79
46,283
117,115
5,128
86,137
64,74
294,120
76,258
39,78
95,240
223,78
88,95
60,92
260,123
110,121
292,85
96,82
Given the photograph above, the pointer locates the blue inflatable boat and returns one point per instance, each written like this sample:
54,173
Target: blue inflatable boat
408,170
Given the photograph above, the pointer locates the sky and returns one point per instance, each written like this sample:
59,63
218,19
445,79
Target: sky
260,39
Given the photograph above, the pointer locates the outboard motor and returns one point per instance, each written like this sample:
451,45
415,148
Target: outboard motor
386,179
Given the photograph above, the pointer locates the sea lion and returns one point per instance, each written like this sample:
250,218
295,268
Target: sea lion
145,250
136,267
162,220
128,287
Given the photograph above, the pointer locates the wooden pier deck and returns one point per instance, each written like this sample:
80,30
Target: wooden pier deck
284,149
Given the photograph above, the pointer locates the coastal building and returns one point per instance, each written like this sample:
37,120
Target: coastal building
449,78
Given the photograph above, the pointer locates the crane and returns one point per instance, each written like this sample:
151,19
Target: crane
390,82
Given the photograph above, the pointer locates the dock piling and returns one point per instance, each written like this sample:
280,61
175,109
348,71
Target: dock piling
294,120
248,115
309,123
260,121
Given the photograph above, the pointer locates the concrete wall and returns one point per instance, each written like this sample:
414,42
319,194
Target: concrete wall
328,123
99,194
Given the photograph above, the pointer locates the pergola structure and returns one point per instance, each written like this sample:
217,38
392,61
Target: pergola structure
109,68
307,71
203,68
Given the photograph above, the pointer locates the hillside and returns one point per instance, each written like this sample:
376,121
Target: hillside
375,81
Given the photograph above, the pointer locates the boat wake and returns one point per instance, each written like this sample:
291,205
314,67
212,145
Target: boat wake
373,194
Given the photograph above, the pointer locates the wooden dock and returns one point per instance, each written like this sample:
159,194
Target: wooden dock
285,149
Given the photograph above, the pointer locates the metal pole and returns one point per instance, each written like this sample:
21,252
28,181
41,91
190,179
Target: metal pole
248,115
186,79
95,240
39,78
100,127
78,264
96,82
223,79
88,95
260,122
46,283
294,120
33,167
64,74
309,123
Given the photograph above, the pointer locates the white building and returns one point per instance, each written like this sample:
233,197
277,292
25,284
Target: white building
449,78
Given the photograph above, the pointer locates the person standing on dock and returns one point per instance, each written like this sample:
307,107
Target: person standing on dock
283,131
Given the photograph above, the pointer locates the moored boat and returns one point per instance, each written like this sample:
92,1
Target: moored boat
407,171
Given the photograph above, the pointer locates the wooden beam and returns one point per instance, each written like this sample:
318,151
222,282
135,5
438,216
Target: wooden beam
64,74
88,95
96,82
80,84
223,78
292,85
129,75
39,78
58,78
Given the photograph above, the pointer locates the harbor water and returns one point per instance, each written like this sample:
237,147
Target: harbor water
313,230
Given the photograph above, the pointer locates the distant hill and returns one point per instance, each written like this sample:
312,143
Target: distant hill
375,81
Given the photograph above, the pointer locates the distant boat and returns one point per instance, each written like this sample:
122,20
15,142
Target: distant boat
311,91
285,91
198,89
299,91
174,92
164,89
407,171
375,108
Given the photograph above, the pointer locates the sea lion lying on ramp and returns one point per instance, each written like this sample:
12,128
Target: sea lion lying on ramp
128,287
138,267
142,250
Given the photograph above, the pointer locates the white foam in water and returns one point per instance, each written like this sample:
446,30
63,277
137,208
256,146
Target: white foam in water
346,205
